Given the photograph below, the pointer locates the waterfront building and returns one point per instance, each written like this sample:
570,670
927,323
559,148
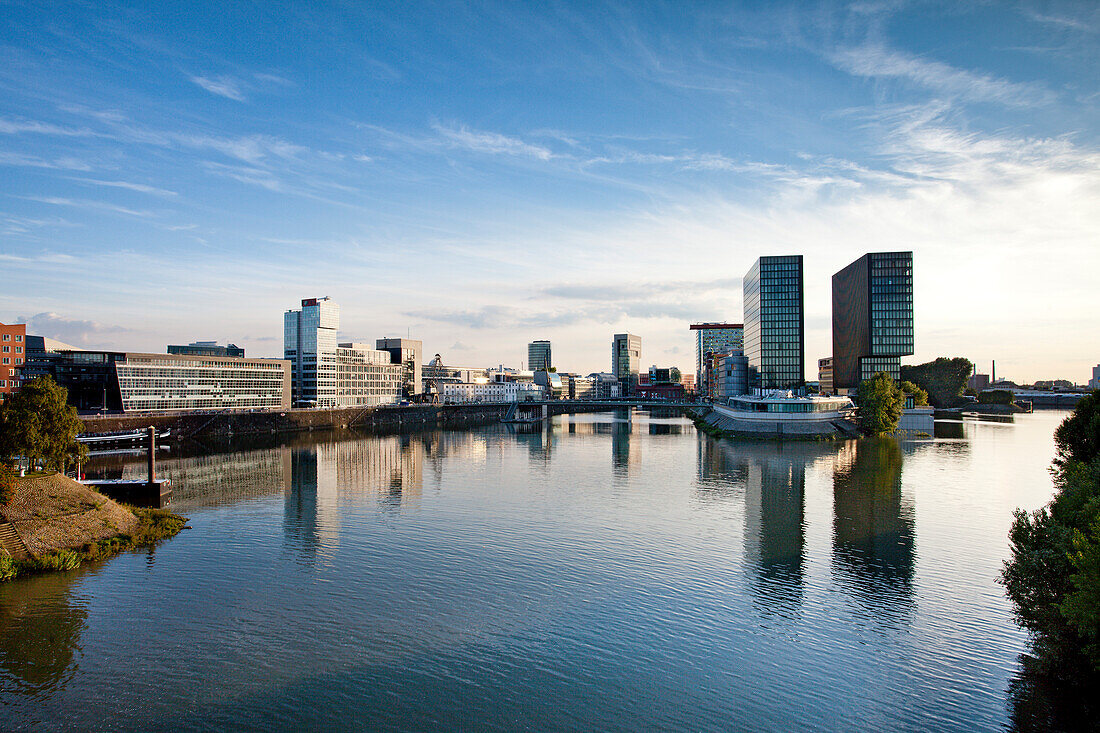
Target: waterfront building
137,382
1094,383
688,380
978,382
825,376
207,348
731,375
872,318
452,393
626,357
13,353
664,375
715,338
582,388
538,356
774,323
309,344
551,382
435,372
407,352
367,377
607,386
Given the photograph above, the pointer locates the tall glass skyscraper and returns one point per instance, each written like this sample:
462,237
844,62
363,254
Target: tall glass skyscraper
626,359
715,338
309,343
872,317
538,356
774,324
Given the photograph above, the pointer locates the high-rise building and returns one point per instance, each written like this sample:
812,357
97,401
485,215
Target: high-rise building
14,352
1094,383
206,348
626,358
825,384
715,338
538,356
309,344
408,352
872,318
775,342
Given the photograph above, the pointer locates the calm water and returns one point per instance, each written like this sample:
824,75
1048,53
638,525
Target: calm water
617,572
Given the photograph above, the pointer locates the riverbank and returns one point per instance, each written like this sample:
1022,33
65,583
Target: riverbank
714,423
55,523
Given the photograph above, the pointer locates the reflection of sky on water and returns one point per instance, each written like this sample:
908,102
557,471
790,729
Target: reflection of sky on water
599,568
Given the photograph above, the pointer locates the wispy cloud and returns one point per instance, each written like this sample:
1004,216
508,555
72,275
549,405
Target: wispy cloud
73,331
223,86
90,205
19,127
878,62
139,187
492,143
31,161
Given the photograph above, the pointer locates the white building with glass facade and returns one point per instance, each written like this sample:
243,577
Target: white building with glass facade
490,392
367,377
165,382
309,344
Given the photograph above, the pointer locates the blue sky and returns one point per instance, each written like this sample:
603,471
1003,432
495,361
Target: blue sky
484,175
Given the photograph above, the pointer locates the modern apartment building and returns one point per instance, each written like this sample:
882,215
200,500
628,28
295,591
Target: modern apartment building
775,341
715,338
367,377
410,353
607,386
13,352
309,344
491,392
626,358
872,318
538,356
206,348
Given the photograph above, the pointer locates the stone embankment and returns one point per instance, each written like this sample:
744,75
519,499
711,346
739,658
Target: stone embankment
382,419
724,426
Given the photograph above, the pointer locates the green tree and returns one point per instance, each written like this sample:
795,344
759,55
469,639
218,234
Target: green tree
943,379
1053,575
920,397
879,404
996,397
38,424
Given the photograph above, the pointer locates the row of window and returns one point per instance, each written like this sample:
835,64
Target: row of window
18,349
18,338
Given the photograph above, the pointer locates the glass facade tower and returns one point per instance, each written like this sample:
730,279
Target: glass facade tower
538,356
774,323
309,343
872,317
626,359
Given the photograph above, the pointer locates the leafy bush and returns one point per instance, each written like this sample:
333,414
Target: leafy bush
1053,575
8,569
920,397
879,404
996,397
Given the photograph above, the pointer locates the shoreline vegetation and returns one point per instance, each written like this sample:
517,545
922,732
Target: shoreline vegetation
53,523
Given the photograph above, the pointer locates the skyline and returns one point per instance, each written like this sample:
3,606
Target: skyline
481,178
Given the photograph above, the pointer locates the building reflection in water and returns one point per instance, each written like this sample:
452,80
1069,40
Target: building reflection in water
40,630
873,528
770,481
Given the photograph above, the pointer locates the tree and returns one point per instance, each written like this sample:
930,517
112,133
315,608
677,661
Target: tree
879,404
38,424
996,397
944,379
920,397
1053,575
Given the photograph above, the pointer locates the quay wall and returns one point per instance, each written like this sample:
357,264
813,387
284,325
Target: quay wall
383,419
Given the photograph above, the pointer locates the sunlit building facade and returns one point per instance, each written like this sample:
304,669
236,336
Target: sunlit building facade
309,344
539,357
872,318
715,338
367,377
626,358
774,323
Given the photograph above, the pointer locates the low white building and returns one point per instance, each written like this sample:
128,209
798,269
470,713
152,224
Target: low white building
474,392
366,377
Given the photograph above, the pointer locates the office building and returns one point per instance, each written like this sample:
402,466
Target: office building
1094,383
367,377
978,382
664,375
13,352
731,376
309,344
582,388
825,376
552,384
774,323
626,358
491,392
538,356
872,318
607,386
715,338
408,352
207,348
134,382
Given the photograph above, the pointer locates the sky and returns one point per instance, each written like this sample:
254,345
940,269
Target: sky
481,175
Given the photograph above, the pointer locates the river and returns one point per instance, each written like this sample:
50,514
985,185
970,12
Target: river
617,571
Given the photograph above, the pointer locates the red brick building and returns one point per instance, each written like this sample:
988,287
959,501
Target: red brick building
13,351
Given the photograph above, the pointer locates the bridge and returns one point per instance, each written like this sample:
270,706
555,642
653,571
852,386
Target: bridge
535,410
